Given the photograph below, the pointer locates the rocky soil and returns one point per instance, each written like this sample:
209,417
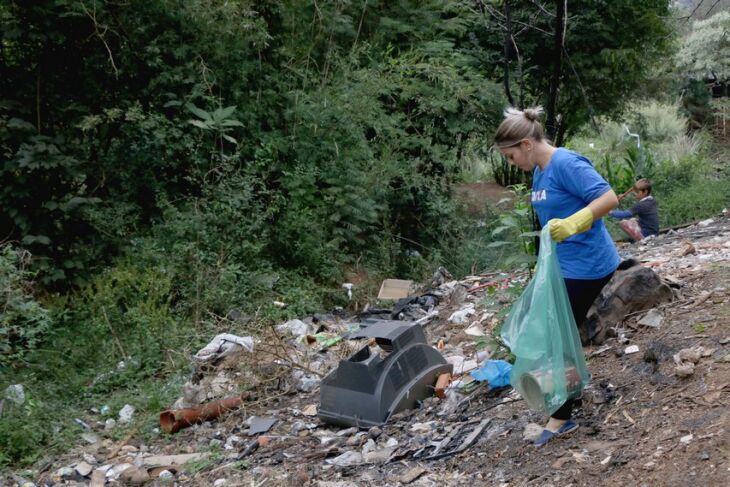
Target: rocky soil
655,413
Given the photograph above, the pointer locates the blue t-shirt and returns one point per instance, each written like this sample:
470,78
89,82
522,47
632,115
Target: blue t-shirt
568,184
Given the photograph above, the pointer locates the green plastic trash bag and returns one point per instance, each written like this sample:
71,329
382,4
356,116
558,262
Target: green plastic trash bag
540,330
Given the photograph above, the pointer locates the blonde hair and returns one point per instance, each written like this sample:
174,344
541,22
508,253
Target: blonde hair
518,125
643,184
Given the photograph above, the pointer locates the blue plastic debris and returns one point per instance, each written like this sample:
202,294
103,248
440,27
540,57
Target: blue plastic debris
495,372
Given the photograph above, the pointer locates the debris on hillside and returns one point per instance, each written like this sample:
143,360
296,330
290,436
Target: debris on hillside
662,328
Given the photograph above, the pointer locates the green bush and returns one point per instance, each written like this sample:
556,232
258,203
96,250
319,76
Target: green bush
23,321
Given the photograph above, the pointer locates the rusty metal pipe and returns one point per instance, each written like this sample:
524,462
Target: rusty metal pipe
172,421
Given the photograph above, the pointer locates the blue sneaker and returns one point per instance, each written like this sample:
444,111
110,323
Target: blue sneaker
547,435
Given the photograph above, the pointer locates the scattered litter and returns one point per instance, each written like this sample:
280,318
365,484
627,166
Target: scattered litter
126,413
296,328
259,425
631,349
90,438
495,372
475,330
460,317
652,319
366,389
441,384
15,393
461,437
175,420
685,440
223,345
395,289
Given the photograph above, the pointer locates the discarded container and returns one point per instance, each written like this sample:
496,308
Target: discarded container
395,289
540,331
366,389
175,420
538,385
441,384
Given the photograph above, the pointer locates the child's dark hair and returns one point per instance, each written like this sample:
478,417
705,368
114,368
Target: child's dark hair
643,184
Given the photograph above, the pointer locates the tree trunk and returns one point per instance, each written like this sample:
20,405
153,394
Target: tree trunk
507,45
551,124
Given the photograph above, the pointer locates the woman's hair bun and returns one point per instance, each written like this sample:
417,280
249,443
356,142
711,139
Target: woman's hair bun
532,114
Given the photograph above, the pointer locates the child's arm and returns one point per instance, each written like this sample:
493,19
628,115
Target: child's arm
620,214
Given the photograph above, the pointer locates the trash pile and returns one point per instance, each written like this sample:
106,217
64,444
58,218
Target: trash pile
325,397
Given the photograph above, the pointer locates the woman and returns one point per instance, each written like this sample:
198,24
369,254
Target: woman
569,195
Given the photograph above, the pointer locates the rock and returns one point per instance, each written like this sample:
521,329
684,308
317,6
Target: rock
411,475
724,359
633,289
692,355
685,440
134,475
374,432
310,410
532,431
379,456
649,466
346,459
368,447
652,319
684,370
90,438
422,427
84,469
64,473
347,431
391,442
126,413
219,482
166,477
116,471
98,478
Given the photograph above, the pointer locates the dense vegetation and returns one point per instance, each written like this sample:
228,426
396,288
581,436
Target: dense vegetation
172,167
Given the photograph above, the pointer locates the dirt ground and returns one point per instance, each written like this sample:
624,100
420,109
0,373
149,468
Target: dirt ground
641,424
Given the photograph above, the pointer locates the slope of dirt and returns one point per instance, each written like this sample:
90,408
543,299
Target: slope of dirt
640,423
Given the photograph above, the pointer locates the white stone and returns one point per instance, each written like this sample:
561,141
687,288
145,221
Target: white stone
126,413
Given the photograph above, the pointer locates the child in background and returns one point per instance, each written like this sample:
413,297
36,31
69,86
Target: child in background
645,210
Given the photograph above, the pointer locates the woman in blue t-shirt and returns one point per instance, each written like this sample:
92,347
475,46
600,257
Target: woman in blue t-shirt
569,195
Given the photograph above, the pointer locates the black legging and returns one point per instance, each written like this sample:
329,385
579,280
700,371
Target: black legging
581,293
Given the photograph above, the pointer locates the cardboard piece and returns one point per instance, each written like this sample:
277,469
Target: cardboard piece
395,289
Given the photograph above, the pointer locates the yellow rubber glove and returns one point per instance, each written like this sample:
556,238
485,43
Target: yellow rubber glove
578,222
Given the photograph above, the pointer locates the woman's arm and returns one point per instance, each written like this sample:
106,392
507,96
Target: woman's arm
603,204
582,220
